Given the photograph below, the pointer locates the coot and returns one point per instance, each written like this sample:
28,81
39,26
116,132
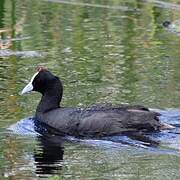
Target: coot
166,23
173,27
95,121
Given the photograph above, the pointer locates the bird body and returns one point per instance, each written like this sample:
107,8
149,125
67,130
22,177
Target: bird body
94,121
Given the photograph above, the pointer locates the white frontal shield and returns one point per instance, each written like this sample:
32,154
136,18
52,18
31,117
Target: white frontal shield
29,87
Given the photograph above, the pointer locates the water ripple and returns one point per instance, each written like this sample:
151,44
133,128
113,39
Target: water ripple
21,54
122,8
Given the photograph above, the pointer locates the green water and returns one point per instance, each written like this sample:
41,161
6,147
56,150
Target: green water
103,51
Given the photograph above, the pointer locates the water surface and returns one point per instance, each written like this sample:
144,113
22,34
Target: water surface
104,51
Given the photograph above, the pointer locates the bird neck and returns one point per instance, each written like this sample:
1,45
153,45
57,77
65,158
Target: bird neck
50,100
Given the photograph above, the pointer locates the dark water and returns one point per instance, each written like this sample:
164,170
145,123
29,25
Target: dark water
104,51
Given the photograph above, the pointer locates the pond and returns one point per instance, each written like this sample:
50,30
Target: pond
104,52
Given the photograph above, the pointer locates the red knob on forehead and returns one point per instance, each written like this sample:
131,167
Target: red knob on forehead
41,68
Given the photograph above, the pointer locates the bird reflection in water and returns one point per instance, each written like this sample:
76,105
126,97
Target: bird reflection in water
48,158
